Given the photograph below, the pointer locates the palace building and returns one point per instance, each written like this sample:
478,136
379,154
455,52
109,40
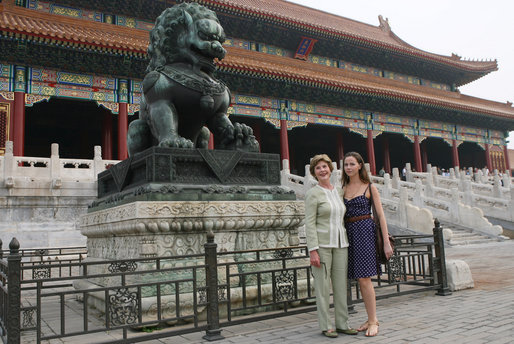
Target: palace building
306,81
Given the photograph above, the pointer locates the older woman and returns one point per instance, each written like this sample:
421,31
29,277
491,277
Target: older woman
328,246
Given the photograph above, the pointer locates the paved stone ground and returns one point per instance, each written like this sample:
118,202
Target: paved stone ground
484,314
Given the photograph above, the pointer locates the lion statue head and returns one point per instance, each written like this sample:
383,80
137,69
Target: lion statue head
188,33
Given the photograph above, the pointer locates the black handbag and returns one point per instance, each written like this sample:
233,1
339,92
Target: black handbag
379,242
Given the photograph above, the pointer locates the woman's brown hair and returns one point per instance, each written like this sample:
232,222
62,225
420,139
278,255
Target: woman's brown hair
316,159
363,174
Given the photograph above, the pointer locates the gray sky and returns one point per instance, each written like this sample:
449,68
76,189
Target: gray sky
472,29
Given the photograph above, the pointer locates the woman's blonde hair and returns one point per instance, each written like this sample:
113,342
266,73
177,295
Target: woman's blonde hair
363,174
316,159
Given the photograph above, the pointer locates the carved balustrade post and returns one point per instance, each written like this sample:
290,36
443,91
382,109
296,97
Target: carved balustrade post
442,278
213,331
14,292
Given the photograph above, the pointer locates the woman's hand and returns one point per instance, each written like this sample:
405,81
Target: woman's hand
315,261
388,250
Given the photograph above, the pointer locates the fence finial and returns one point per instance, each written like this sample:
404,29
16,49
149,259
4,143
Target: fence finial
210,236
14,246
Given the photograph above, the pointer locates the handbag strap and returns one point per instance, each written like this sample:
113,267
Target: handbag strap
373,208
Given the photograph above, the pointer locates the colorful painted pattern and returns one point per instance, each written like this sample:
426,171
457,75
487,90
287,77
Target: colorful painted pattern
74,12
5,70
272,50
301,114
359,68
31,99
5,84
52,76
325,61
239,43
435,85
64,10
401,77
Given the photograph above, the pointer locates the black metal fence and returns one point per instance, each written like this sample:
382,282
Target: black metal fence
58,293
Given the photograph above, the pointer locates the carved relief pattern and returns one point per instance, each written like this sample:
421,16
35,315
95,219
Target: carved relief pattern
136,216
40,273
285,288
28,320
7,95
283,253
202,294
31,99
129,266
123,307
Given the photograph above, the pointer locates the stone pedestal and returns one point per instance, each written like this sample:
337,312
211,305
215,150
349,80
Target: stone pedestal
164,201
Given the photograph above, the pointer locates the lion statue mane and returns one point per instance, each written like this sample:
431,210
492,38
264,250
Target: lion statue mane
183,103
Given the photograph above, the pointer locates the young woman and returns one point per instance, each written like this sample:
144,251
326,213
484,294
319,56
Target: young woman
328,247
362,257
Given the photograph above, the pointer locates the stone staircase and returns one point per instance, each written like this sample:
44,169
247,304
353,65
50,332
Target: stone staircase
466,236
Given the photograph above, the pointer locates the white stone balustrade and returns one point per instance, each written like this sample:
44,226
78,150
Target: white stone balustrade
41,199
456,199
25,176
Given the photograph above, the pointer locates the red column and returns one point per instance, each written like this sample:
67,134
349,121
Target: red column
371,152
340,150
424,155
19,124
507,162
211,142
284,142
19,111
122,131
107,136
417,154
387,158
488,158
455,154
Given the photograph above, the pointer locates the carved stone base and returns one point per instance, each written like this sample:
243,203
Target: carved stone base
151,229
157,229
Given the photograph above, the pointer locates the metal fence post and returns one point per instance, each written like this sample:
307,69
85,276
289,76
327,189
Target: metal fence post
213,331
14,293
439,254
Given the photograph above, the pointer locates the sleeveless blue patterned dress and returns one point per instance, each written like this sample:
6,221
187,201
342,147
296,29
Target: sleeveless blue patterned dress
362,255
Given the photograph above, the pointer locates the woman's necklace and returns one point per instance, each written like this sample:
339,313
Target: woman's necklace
355,193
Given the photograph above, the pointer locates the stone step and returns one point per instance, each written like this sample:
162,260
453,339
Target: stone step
457,233
466,236
470,242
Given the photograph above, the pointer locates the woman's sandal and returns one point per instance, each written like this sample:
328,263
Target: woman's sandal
330,333
369,333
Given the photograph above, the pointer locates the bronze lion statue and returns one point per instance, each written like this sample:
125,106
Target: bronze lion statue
181,97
